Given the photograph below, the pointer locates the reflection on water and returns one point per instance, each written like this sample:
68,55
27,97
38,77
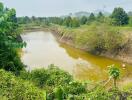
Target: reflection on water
42,50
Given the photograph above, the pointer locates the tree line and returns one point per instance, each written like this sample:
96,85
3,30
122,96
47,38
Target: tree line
118,17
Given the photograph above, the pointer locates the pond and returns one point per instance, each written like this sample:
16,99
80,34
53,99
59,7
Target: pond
43,49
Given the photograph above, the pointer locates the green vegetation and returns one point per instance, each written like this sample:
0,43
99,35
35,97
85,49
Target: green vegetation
55,82
14,88
96,38
114,73
9,32
119,17
91,18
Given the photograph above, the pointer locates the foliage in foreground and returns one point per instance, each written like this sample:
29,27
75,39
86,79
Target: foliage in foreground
13,88
53,80
55,84
9,32
60,85
114,73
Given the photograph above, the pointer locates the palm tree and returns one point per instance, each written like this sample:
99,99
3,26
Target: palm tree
114,73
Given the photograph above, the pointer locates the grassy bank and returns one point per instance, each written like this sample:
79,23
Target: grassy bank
100,39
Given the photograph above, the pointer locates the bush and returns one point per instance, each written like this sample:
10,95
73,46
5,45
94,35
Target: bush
52,76
13,88
100,38
98,93
54,81
76,88
128,91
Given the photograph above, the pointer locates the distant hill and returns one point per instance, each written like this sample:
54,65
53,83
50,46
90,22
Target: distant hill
84,13
104,12
80,14
130,13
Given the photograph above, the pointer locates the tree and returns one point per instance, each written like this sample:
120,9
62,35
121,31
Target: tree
91,18
67,21
100,17
75,23
83,20
119,16
9,31
114,73
26,20
1,7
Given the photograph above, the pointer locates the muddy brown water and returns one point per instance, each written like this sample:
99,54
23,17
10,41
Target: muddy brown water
43,49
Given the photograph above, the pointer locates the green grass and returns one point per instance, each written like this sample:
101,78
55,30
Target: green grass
94,34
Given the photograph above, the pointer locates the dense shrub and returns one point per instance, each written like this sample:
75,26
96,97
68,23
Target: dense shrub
100,38
53,80
13,88
9,31
128,90
52,76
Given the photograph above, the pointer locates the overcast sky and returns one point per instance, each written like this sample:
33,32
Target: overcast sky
63,7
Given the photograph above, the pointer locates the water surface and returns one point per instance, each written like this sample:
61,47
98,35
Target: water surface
43,49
